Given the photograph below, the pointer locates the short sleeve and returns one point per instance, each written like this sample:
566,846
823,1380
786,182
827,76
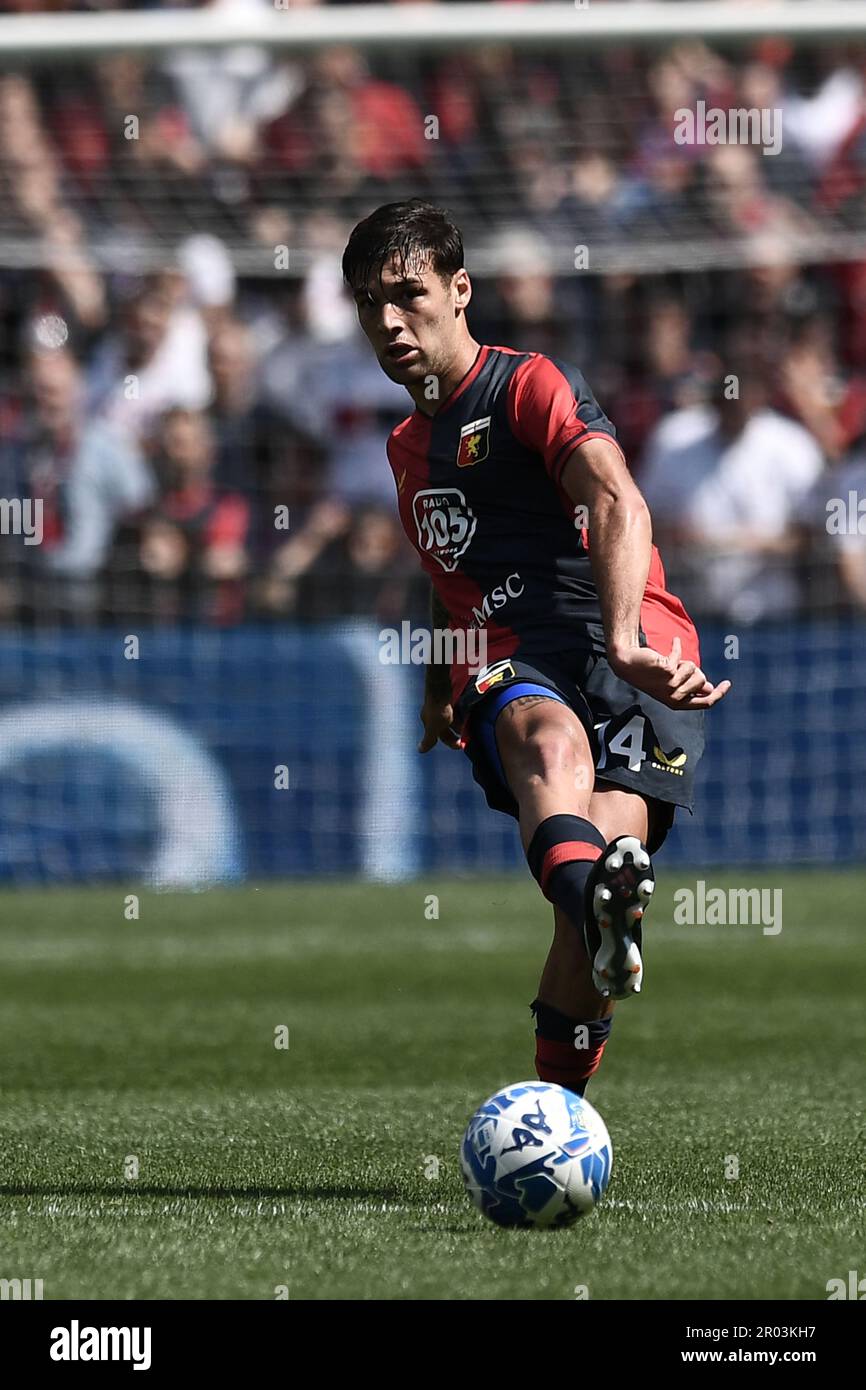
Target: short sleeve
552,410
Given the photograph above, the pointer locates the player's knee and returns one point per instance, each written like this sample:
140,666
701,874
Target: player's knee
551,748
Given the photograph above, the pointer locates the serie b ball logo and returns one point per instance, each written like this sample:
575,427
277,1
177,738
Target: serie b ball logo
536,1155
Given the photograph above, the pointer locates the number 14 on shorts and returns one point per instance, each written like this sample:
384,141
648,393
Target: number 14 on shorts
621,741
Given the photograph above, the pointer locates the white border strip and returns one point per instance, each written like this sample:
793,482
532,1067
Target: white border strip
67,36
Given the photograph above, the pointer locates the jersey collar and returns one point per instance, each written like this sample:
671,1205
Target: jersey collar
462,385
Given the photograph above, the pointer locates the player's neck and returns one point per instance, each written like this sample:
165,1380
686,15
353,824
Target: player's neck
448,382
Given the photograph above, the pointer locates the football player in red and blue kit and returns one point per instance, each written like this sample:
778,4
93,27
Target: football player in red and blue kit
586,723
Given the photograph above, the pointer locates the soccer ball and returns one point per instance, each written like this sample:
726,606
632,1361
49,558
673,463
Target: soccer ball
536,1155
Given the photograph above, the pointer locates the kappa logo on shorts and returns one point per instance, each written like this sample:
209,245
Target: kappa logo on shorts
669,762
493,675
474,442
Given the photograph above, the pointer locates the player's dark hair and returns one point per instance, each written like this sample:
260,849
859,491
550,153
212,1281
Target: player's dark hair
414,232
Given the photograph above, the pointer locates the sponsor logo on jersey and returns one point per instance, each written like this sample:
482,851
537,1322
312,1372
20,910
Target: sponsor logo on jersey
401,482
494,674
669,762
497,598
474,442
445,524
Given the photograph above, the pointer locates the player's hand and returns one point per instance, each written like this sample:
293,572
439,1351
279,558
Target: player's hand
676,683
436,716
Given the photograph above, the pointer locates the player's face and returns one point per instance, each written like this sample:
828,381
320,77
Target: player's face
412,319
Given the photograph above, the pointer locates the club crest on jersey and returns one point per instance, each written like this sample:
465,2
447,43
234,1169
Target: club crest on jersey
474,442
445,524
493,675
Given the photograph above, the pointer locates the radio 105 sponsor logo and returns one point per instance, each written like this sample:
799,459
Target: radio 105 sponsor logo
445,524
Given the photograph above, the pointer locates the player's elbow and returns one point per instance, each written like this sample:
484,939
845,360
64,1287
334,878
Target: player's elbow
617,501
597,476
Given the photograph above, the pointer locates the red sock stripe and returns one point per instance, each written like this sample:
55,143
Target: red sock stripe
561,1062
565,853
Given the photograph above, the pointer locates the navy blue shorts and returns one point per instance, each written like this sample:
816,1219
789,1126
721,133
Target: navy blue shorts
637,743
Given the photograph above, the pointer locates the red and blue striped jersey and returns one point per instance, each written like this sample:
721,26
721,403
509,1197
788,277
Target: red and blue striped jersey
481,500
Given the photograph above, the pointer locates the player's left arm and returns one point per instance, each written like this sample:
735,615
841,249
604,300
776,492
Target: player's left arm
552,411
437,711
596,477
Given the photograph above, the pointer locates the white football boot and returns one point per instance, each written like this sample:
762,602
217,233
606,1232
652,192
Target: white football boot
619,887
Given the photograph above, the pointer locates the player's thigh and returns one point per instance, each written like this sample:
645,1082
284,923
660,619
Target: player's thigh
541,739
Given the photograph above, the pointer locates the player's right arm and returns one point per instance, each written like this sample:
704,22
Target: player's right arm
437,711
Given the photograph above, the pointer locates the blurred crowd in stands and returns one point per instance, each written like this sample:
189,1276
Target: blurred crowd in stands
207,430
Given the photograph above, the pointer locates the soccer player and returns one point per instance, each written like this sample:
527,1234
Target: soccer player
586,723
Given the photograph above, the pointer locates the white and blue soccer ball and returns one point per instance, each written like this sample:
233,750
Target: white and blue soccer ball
536,1155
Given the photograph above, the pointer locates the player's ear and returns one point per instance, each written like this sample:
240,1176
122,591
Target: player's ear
461,287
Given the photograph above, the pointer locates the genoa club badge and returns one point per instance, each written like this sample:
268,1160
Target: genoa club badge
474,442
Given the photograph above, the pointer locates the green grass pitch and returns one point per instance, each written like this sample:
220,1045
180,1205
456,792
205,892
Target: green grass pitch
330,1169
